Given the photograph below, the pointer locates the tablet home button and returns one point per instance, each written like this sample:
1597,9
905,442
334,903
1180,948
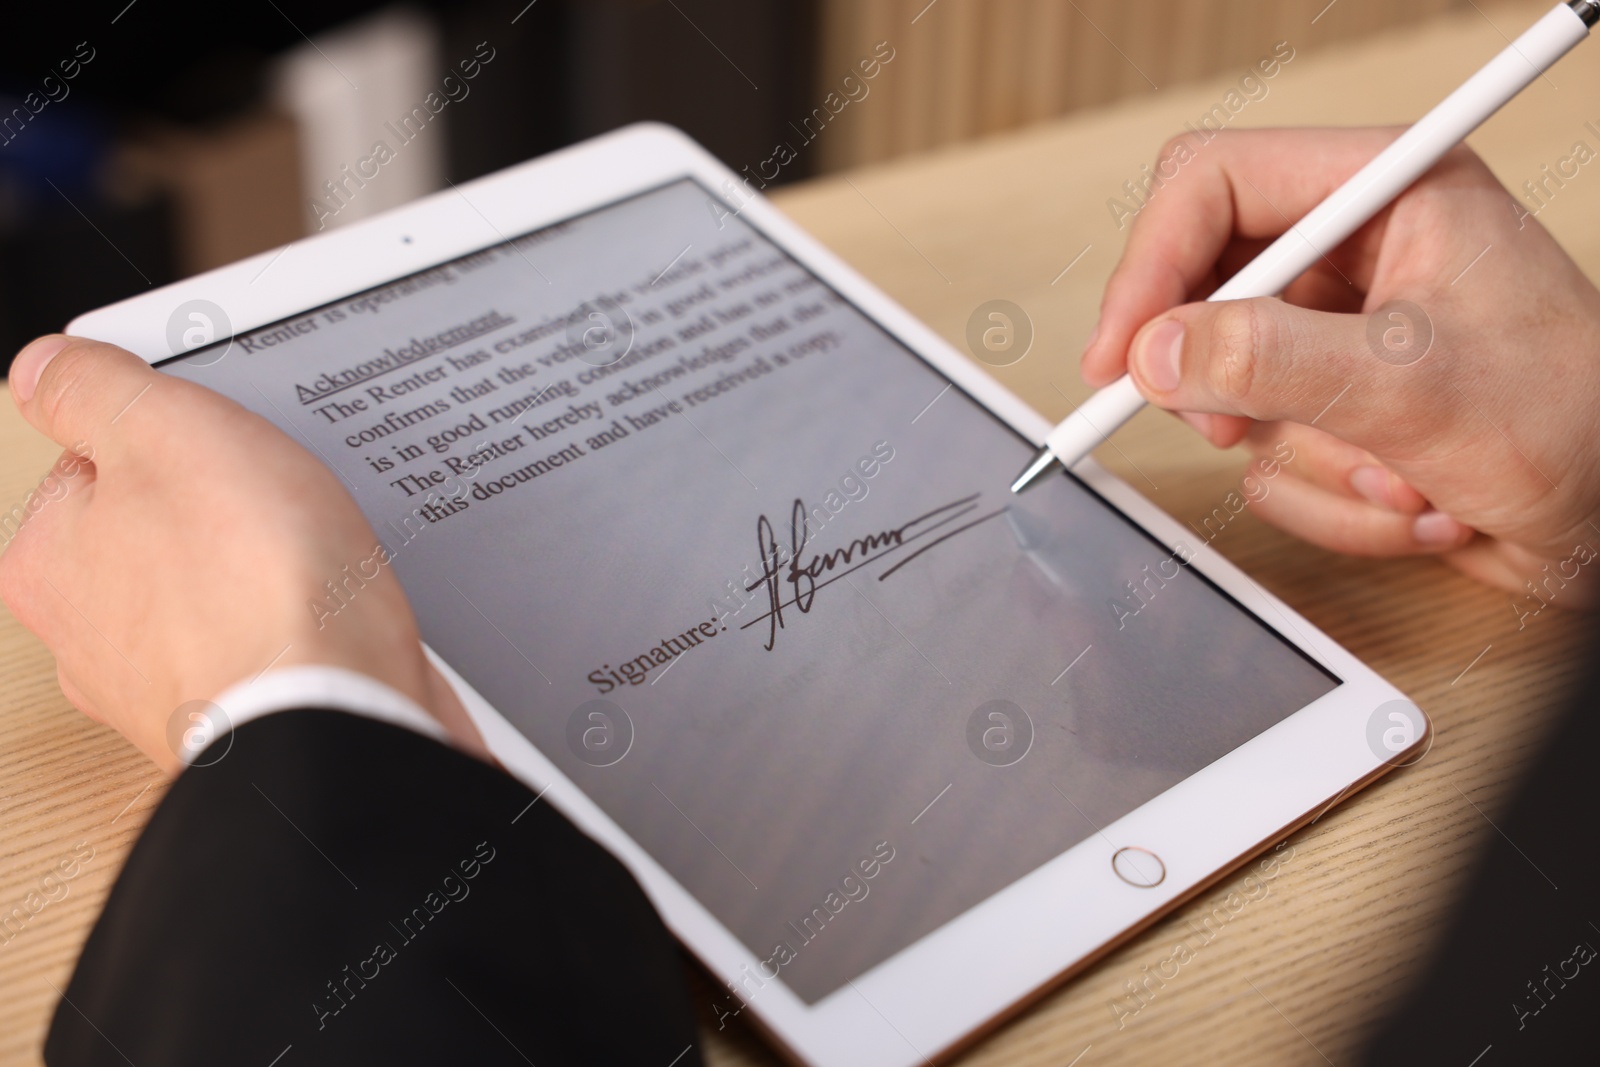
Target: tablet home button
1139,867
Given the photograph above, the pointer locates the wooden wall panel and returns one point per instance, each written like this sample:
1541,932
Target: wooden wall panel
965,68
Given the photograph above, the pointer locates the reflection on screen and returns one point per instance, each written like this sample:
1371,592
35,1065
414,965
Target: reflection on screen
689,520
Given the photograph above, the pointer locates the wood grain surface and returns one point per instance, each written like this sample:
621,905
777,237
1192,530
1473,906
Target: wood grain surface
1302,973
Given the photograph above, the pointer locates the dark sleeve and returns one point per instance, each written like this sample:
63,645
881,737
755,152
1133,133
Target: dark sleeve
1515,976
339,890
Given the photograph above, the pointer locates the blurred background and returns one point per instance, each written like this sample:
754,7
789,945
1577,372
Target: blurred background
143,142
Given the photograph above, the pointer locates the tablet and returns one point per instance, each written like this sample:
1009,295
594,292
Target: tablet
716,542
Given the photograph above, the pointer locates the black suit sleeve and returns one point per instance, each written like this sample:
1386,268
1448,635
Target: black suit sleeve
338,890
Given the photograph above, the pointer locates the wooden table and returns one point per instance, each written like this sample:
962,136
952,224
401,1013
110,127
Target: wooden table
1301,974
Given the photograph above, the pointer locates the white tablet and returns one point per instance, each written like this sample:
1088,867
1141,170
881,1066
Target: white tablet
717,543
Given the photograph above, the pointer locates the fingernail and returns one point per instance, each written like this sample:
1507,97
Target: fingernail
1435,528
1094,335
31,362
1158,358
1373,483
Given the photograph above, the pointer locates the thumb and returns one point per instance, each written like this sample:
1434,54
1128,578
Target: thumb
70,388
1268,360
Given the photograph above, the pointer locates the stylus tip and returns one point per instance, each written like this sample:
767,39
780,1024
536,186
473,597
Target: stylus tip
1041,463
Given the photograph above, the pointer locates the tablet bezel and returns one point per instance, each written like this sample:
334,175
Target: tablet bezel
947,987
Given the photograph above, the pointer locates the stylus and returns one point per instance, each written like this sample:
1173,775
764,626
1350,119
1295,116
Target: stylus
1355,202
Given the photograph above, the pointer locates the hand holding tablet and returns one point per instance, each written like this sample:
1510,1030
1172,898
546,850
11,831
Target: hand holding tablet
188,592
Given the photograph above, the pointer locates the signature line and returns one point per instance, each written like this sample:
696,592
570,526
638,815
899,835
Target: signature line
945,537
873,559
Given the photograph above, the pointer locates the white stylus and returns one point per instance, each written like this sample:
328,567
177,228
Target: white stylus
1371,189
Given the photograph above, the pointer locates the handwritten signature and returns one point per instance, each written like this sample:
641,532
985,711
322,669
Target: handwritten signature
791,581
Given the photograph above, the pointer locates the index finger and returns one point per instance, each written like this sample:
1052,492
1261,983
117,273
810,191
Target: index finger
1250,184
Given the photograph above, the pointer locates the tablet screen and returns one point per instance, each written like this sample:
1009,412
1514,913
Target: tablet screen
748,570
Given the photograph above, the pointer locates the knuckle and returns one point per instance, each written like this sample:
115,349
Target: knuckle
1233,340
65,383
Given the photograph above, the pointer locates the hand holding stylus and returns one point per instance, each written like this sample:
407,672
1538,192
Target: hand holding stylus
1360,195
1463,427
